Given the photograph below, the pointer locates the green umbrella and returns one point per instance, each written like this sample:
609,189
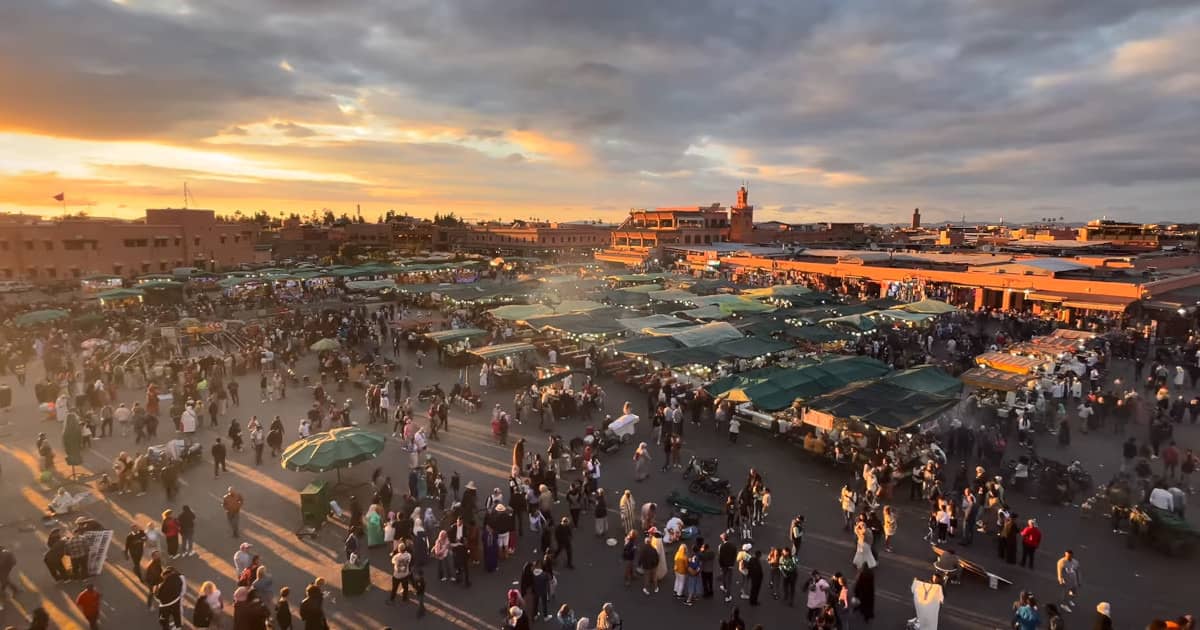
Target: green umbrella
326,344
72,442
39,317
334,449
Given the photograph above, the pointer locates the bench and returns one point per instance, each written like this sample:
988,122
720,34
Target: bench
994,581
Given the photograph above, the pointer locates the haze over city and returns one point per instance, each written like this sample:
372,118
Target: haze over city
831,110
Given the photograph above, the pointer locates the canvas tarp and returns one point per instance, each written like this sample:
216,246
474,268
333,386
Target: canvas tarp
815,334
370,285
928,379
989,378
599,322
706,312
502,350
1008,362
520,312
644,289
442,337
772,389
674,295
928,305
652,321
645,345
857,322
779,290
883,404
903,316
703,335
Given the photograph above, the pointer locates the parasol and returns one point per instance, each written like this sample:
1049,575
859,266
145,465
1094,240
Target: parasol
188,322
326,344
39,317
334,449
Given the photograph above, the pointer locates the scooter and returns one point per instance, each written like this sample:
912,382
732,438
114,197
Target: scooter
697,467
710,484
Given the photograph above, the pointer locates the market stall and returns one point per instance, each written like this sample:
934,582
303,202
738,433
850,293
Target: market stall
510,363
120,298
1009,362
99,283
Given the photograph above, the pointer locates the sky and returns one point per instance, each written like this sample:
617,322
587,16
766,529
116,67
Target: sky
853,110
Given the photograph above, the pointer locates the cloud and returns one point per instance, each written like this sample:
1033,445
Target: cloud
849,106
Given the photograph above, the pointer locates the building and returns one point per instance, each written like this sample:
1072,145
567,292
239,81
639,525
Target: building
1116,233
1060,287
535,239
644,233
39,249
916,219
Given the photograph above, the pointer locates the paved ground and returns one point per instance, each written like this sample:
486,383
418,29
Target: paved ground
1139,583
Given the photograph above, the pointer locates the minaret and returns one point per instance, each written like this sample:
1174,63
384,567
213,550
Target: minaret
916,220
741,218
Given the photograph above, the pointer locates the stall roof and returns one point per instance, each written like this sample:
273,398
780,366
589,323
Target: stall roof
674,295
711,311
502,350
700,355
1008,362
597,322
776,388
990,378
639,277
899,315
815,334
519,312
779,290
652,321
928,305
856,321
645,289
703,335
371,285
751,347
117,294
645,345
883,403
442,337
160,284
928,379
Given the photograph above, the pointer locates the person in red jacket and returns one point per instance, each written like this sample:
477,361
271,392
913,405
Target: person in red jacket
1031,538
88,602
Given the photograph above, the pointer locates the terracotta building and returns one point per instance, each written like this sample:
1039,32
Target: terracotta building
533,239
37,249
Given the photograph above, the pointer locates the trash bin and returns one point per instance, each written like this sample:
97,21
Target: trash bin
314,503
356,578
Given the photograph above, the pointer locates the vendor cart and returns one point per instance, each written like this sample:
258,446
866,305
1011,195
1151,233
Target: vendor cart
1163,530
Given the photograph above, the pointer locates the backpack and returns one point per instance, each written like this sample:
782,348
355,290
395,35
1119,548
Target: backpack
202,614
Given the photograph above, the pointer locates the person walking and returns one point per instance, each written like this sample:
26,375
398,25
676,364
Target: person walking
232,503
170,531
187,531
754,572
218,455
312,609
401,572
135,546
1070,578
88,602
152,576
1031,538
283,610
170,594
864,592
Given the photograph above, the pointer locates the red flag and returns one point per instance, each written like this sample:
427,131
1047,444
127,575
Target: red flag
59,197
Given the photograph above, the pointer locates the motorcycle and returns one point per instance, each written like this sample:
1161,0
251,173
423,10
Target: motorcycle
430,393
700,467
710,484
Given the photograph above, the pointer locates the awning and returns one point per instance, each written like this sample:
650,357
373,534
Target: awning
1009,362
442,337
989,378
1092,302
502,350
1114,304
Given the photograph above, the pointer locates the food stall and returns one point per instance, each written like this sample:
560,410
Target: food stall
99,283
453,345
511,362
120,298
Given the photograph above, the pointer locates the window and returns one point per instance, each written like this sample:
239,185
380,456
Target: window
74,272
162,266
8,274
196,241
117,269
31,273
145,267
161,242
667,223
29,245
51,272
73,245
137,242
178,241
49,245
4,246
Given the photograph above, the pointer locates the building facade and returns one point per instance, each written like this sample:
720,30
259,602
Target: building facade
37,249
533,239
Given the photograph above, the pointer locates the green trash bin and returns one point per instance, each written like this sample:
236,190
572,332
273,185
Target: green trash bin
314,503
356,578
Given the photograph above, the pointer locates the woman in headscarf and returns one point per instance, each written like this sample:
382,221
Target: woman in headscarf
491,549
373,523
641,462
628,512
